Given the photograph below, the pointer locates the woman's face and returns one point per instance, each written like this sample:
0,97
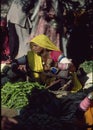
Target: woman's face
37,49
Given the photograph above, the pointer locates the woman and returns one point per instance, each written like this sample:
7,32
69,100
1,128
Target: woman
42,57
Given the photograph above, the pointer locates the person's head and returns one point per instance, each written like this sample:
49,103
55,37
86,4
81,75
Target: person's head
36,48
41,42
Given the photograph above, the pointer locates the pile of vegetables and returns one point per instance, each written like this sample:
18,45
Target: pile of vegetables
15,95
87,66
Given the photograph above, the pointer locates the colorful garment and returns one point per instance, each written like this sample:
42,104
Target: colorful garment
34,60
89,117
47,19
5,49
43,41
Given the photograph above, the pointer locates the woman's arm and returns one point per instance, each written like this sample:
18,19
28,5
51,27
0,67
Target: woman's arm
18,63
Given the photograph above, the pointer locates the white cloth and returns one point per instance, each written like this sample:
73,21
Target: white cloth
64,63
23,35
89,81
22,25
17,16
65,60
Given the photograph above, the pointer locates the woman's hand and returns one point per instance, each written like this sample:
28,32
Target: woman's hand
22,67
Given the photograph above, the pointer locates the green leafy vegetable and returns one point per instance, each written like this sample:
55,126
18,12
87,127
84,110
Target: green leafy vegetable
87,66
14,95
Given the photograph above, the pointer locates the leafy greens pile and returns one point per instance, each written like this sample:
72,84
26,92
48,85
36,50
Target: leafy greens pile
87,66
15,95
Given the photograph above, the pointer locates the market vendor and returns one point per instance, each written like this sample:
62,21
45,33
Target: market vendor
42,57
